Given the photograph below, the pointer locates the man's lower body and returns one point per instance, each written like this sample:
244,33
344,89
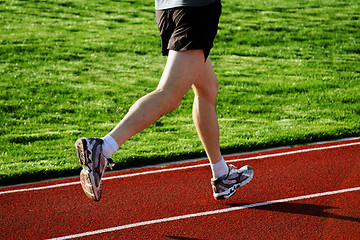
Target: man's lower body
187,37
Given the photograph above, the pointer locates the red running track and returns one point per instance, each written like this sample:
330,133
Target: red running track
306,192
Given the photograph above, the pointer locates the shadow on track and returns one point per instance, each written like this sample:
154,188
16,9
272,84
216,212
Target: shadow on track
301,208
181,238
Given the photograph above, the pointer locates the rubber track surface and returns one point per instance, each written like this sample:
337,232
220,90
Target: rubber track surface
306,192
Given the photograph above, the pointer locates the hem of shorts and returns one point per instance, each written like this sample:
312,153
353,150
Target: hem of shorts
206,52
181,5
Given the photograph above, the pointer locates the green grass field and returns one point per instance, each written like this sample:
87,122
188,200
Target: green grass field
289,73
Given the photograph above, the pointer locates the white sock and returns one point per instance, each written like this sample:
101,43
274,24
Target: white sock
219,169
110,146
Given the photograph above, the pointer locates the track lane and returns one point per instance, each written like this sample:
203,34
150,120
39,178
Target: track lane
65,210
281,205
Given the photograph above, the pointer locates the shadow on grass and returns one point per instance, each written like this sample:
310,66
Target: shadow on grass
144,160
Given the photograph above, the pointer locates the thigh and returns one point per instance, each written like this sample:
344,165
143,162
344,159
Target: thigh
181,71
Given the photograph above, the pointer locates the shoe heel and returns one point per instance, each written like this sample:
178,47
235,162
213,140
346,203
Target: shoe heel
80,146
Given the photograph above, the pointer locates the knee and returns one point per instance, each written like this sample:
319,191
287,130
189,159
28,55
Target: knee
173,103
214,90
170,100
208,91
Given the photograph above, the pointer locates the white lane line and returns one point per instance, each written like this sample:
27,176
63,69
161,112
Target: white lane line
225,210
40,188
186,167
298,151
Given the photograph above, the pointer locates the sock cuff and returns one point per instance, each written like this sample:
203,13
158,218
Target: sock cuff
220,168
110,146
108,139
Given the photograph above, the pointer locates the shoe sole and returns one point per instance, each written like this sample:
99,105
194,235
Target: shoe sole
85,178
81,148
87,186
231,191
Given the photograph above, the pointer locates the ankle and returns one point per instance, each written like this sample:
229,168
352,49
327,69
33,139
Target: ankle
219,169
109,146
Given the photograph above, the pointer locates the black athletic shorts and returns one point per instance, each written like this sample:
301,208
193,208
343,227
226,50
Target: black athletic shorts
185,28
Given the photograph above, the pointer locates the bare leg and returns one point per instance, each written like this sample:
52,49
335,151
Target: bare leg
204,111
183,70
179,74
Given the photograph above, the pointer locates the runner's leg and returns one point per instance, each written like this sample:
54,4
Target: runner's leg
204,111
181,70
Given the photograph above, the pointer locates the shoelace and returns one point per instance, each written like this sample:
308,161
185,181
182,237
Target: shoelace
110,162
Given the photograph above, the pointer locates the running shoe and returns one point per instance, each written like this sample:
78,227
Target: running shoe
225,186
94,163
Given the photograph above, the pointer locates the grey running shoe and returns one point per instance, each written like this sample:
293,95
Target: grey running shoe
225,186
94,163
